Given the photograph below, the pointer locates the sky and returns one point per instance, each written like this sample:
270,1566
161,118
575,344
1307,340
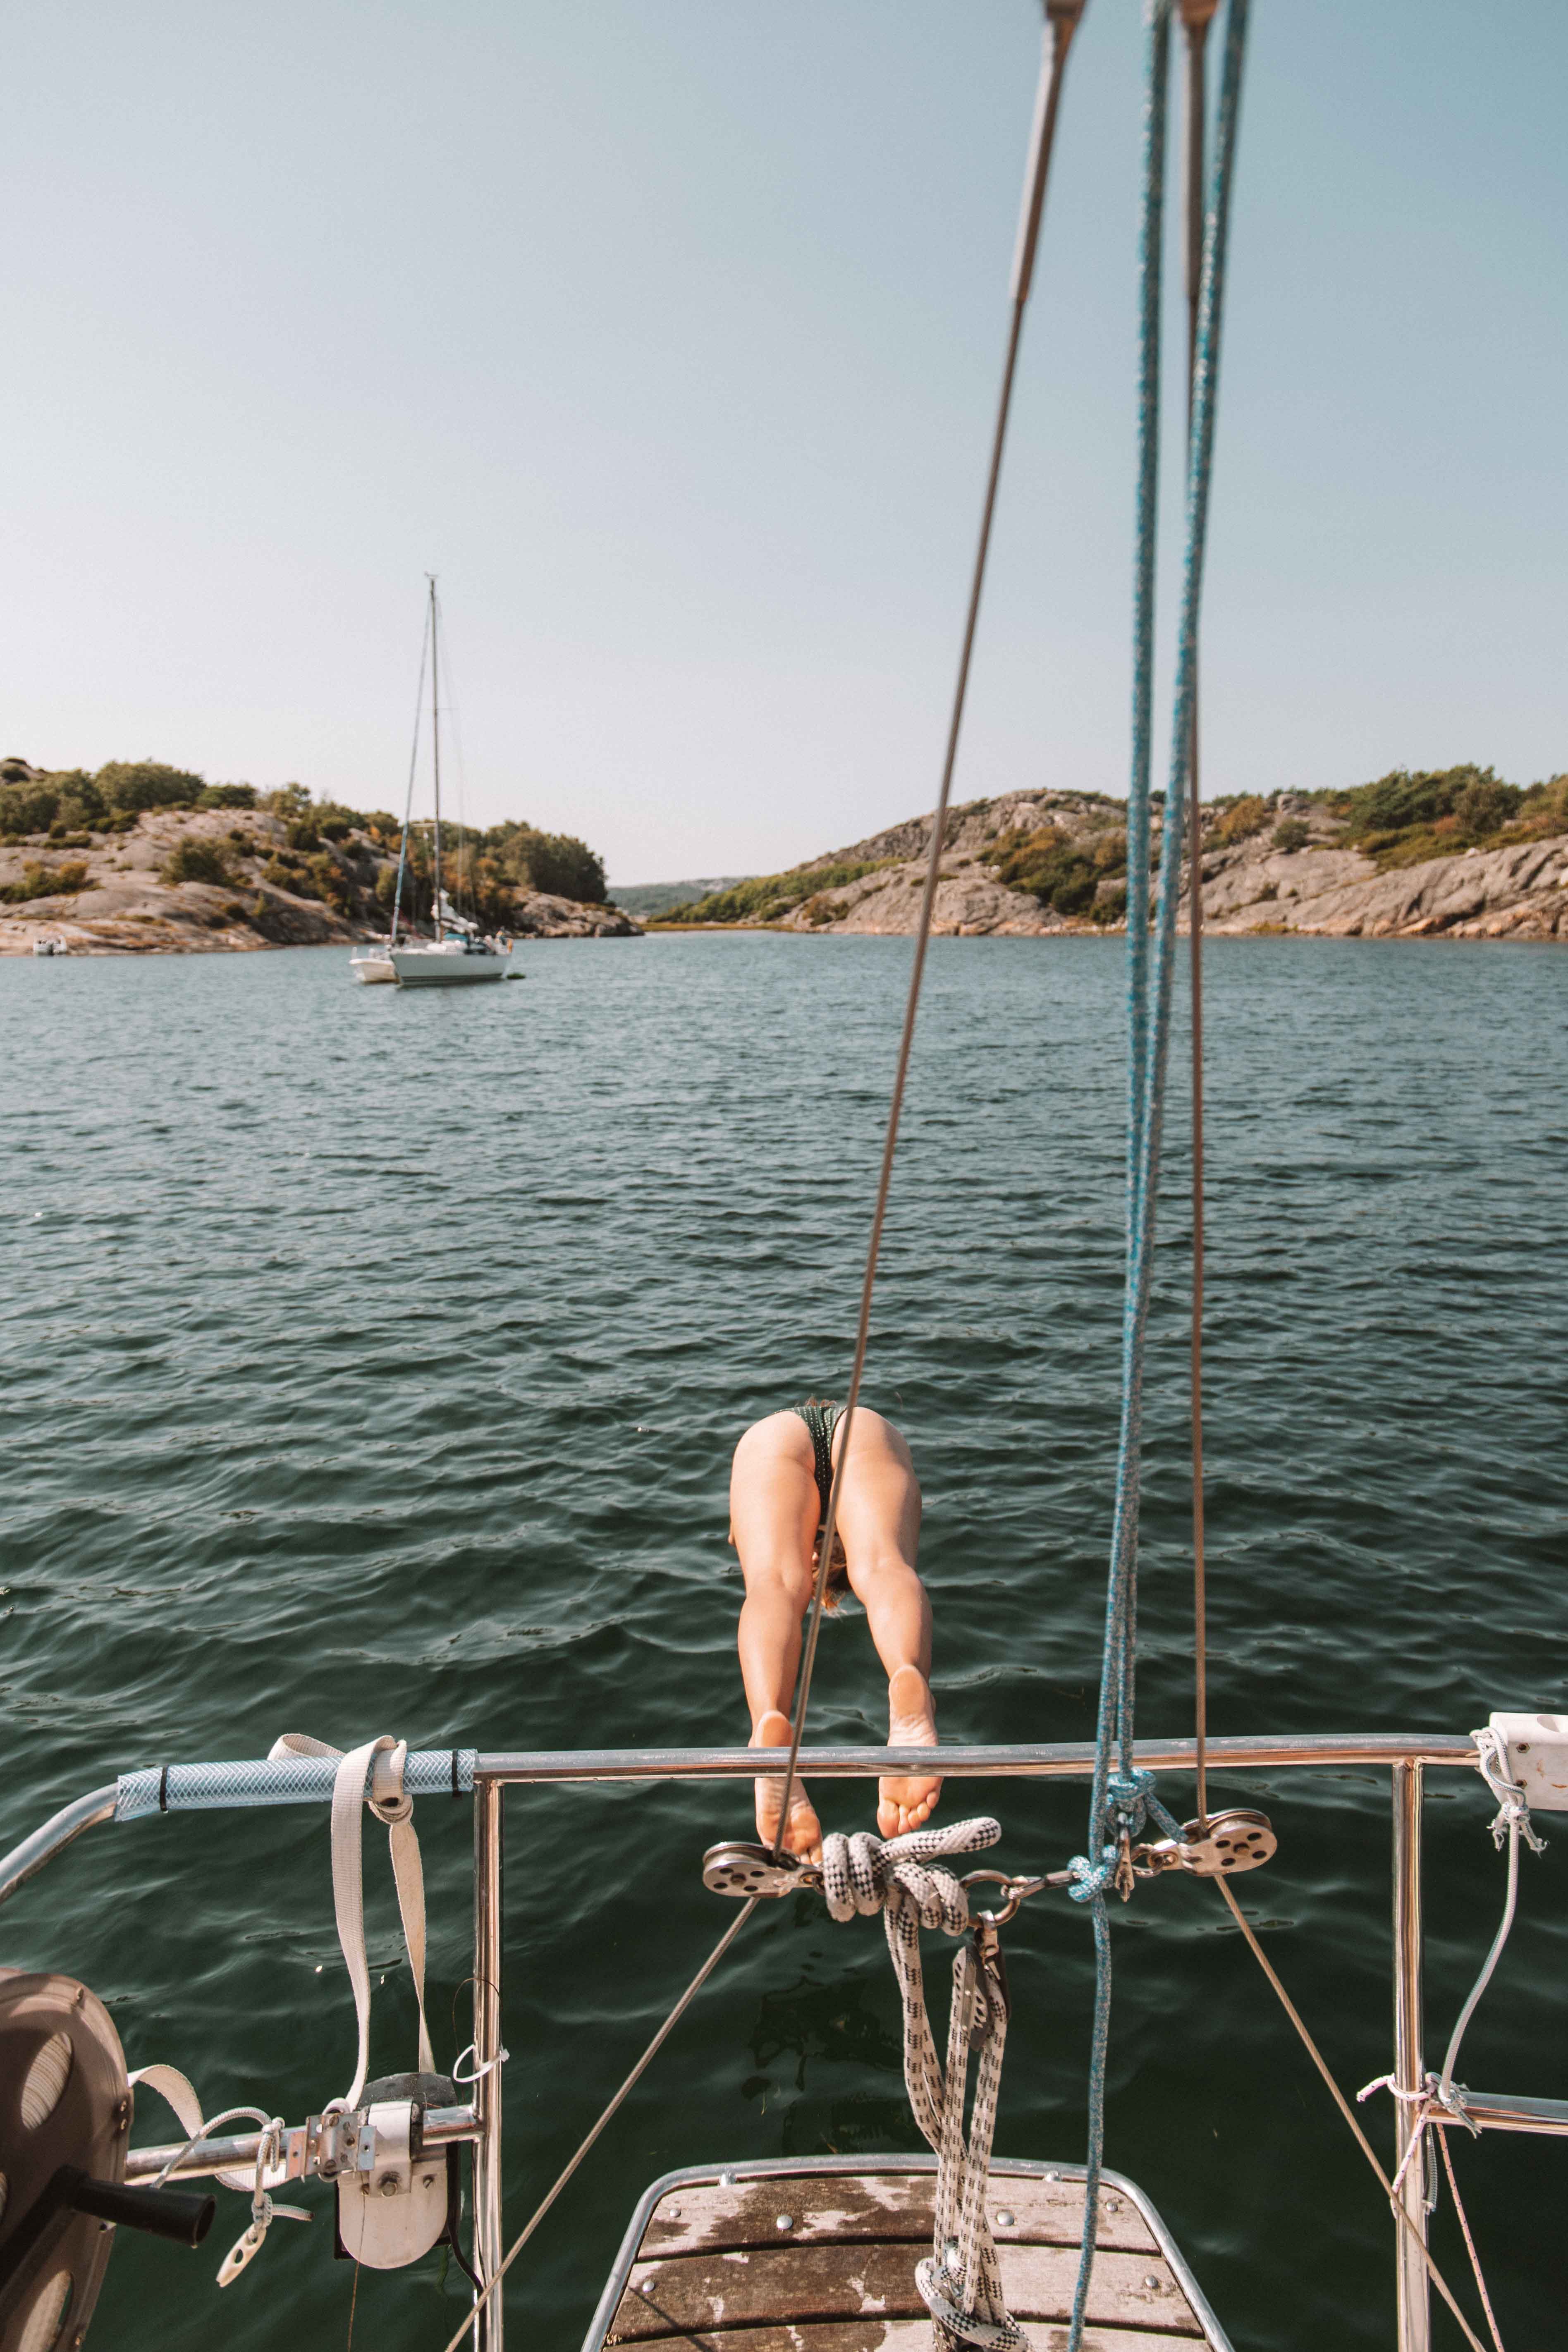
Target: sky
667,333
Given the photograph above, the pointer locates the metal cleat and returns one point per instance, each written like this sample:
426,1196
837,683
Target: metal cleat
740,1868
1231,1842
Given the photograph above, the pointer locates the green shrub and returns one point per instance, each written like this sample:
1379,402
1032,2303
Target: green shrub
198,860
1545,809
336,823
1056,867
291,802
768,897
29,808
1408,816
1241,818
302,834
330,882
38,881
557,863
227,796
136,784
1403,799
1290,834
290,874
1484,806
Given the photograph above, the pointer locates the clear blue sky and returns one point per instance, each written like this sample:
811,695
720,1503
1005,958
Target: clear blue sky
667,332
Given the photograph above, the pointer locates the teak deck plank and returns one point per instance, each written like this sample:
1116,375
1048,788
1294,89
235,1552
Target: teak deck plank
875,2335
887,2208
826,2279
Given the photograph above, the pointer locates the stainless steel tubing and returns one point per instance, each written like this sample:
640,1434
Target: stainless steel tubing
1494,2113
56,1834
1063,1760
1413,2296
439,2127
489,1858
206,2156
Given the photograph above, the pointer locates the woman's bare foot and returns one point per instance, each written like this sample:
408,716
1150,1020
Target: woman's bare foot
804,1833
911,1723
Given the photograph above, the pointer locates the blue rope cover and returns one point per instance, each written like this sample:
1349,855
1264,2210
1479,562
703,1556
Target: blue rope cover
291,1781
1120,1799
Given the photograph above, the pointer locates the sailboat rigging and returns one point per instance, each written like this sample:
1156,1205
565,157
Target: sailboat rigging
459,951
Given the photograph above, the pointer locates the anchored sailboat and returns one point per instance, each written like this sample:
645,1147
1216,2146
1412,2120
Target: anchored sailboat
460,951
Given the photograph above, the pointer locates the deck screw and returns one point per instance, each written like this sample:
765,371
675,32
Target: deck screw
672,2212
784,2221
1004,2220
1150,2281
1053,2176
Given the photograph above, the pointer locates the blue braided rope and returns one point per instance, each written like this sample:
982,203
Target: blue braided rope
1150,245
1114,1693
1128,1794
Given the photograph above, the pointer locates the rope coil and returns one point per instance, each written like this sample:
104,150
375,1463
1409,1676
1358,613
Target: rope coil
960,2280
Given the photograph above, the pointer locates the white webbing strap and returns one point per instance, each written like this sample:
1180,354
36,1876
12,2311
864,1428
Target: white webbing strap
352,1790
178,2091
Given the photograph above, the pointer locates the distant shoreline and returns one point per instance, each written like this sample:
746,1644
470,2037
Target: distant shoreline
1455,854
205,881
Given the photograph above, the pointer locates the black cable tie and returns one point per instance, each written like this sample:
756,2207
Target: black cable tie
163,1789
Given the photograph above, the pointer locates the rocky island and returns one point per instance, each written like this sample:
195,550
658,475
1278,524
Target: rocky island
145,859
1452,853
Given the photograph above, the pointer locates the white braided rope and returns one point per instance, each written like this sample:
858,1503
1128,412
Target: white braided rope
961,2281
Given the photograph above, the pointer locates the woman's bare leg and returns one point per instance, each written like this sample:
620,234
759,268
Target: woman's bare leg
773,1509
880,1520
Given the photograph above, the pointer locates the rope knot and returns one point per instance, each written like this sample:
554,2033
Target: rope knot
866,1874
1090,1879
1513,1807
1130,1793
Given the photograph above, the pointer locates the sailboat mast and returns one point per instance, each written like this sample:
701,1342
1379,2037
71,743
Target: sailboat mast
436,745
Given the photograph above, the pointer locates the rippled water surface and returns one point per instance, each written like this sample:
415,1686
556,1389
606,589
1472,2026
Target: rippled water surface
371,1362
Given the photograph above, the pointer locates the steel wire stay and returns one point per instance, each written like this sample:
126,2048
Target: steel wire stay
1061,22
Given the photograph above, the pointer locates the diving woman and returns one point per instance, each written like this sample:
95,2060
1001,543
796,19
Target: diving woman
779,1486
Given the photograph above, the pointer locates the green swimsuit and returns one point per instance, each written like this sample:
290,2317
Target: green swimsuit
822,1418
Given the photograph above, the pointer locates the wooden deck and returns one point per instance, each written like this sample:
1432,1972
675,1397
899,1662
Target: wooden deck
824,2261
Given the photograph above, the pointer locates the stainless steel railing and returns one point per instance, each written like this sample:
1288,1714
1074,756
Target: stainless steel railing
1406,1756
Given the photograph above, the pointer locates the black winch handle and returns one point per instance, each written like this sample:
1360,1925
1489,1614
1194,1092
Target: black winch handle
180,2214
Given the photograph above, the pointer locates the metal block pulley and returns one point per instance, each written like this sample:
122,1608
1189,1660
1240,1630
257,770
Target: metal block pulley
740,1868
1220,1847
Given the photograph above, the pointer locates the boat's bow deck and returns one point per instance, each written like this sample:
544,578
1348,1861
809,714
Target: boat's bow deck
820,2257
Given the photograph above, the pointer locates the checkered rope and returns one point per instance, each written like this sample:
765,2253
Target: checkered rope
960,2280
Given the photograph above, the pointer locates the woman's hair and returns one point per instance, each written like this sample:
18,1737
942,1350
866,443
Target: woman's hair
837,1579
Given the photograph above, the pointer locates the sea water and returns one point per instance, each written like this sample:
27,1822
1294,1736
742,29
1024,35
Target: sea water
372,1363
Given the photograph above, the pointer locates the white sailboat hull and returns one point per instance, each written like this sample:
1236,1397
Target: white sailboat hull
449,964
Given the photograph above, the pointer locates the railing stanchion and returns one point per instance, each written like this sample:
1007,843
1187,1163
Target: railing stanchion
489,1857
1415,2320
